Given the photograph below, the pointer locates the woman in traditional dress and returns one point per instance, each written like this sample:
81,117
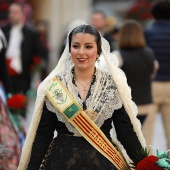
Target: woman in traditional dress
83,103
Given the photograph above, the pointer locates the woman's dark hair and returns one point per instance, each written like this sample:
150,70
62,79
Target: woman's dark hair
161,10
87,29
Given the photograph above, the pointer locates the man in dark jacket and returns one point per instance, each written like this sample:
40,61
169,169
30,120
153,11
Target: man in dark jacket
4,78
158,38
22,47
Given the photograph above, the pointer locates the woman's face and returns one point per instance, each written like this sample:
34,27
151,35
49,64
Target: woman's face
83,51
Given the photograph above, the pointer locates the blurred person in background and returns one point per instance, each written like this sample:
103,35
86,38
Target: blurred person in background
100,21
42,30
27,11
158,38
4,77
114,32
137,61
110,23
8,135
22,47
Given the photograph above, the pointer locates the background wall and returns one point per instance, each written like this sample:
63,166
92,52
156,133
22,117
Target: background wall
59,13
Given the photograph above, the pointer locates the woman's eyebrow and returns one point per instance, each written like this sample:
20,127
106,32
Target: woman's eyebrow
85,43
88,43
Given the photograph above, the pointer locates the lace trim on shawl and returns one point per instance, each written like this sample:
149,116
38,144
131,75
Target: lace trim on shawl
104,98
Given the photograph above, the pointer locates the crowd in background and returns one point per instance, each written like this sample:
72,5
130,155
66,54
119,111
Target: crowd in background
143,55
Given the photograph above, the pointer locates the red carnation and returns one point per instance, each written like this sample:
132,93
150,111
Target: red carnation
148,163
17,101
37,60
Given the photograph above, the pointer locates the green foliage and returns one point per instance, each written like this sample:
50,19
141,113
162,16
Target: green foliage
139,155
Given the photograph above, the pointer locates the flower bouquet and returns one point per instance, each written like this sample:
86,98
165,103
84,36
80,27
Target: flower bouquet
144,161
17,103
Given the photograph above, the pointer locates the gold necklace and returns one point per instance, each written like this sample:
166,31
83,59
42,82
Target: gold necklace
84,87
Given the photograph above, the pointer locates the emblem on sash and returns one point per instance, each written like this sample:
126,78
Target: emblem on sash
59,96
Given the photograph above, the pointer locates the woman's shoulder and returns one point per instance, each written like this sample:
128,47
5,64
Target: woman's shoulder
148,50
149,53
138,52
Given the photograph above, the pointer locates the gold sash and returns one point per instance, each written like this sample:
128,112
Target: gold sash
64,102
